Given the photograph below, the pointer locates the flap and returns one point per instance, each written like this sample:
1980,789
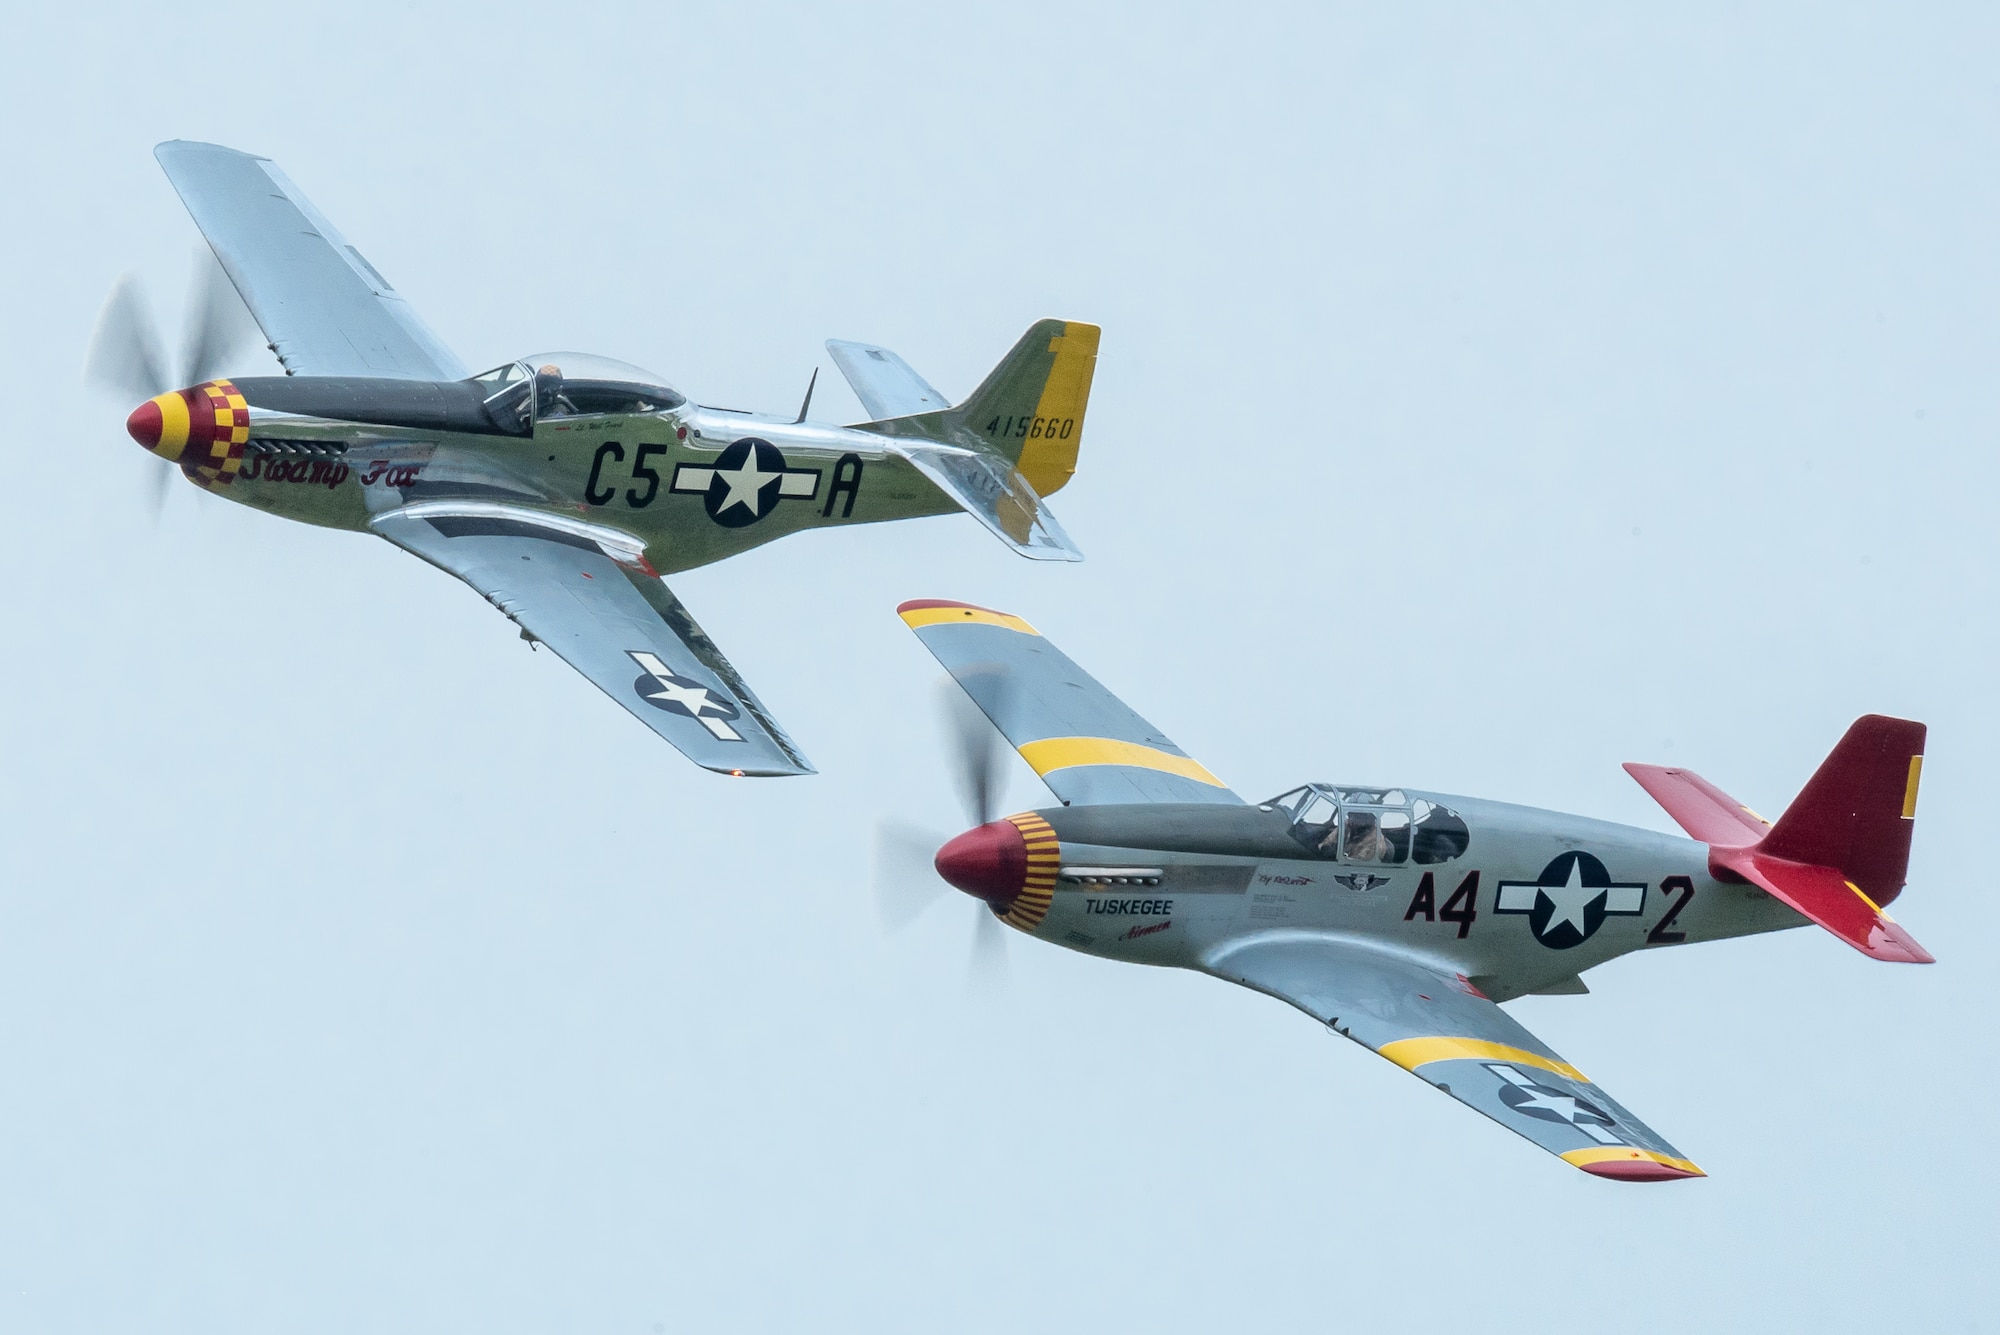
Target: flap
1440,1028
584,591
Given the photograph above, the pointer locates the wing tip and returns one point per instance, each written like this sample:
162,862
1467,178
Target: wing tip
167,147
761,772
1633,1165
919,613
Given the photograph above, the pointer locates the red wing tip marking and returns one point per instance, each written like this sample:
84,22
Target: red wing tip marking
1638,1170
1888,941
919,604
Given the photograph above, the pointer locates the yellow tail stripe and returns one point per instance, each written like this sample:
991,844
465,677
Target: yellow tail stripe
918,618
1049,461
1410,1053
1607,1153
1910,788
1054,753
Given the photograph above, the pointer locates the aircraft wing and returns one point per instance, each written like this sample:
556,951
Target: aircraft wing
1438,1027
324,308
585,591
1083,740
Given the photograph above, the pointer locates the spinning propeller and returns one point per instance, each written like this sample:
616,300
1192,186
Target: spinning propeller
129,358
910,865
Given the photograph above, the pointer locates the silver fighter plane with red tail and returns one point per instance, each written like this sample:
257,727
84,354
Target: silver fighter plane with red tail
1400,918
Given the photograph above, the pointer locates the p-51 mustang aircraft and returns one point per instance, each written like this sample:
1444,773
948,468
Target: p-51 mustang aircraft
1399,918
562,486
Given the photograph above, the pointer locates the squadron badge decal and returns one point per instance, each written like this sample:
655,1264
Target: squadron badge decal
1569,901
659,687
746,482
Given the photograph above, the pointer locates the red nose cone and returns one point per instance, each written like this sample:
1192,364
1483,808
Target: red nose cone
144,424
989,863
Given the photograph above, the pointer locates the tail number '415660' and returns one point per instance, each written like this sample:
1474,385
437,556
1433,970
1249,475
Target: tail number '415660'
1031,428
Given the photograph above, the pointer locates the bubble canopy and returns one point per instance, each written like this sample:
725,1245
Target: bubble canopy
574,384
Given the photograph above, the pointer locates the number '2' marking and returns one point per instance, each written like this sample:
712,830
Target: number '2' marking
1660,935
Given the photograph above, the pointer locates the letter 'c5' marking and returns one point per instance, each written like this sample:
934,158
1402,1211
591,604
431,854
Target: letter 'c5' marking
1910,789
1410,1053
917,616
1627,1153
1054,753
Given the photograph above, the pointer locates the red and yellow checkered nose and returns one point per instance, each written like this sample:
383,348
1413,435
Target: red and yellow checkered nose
202,429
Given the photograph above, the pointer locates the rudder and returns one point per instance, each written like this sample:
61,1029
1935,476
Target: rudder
1857,812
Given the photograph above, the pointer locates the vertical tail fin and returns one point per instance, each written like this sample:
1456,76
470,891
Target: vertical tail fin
1842,848
1857,811
1030,408
1008,446
1028,411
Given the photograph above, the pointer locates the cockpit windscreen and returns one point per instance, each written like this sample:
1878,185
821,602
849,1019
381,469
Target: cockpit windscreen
1373,826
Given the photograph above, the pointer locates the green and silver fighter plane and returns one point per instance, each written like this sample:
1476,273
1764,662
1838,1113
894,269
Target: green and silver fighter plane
1398,918
562,486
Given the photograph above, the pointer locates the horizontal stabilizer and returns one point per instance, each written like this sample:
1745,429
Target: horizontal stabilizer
886,384
1829,899
993,491
1840,850
1699,807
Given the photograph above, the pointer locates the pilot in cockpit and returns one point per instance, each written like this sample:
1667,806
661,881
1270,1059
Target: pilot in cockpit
549,399
1365,841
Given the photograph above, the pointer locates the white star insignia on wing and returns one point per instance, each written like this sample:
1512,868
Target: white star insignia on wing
692,698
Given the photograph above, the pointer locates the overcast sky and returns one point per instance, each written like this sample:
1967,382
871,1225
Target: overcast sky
360,969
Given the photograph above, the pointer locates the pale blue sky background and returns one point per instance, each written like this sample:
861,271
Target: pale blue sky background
360,969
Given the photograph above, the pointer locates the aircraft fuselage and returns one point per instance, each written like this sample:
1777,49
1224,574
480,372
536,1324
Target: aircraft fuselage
1535,898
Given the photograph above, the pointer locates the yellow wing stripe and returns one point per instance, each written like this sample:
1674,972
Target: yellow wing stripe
1625,1153
1054,753
1910,789
1410,1053
1048,461
959,615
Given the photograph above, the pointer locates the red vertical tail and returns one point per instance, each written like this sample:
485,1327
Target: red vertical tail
1842,848
1857,811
